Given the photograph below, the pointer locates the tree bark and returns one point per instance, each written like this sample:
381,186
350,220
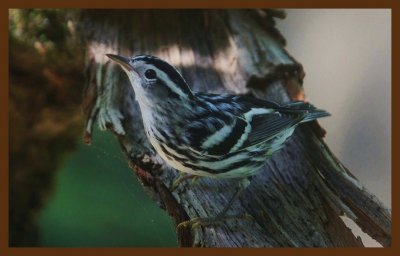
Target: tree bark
297,199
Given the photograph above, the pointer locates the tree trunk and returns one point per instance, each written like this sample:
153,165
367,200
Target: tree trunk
44,115
297,199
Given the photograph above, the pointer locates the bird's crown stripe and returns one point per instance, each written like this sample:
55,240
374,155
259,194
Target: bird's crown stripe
174,77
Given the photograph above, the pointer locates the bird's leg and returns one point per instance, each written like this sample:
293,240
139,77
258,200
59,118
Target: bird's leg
182,177
195,222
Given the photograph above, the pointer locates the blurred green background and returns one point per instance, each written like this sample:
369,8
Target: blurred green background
62,192
99,202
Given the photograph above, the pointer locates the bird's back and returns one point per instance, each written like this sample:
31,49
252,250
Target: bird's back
230,135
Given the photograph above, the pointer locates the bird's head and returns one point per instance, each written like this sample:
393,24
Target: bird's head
153,79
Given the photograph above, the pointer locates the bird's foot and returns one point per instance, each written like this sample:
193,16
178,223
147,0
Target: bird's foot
213,221
181,179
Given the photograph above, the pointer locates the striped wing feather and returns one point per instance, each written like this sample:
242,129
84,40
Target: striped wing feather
251,124
266,127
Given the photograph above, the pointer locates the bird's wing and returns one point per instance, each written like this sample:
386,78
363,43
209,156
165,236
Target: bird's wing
265,126
227,130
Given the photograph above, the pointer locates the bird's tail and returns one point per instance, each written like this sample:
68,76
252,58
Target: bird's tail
313,112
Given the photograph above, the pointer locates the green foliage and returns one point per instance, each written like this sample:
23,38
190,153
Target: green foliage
99,202
43,25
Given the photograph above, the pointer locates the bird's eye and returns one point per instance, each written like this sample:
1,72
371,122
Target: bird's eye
150,74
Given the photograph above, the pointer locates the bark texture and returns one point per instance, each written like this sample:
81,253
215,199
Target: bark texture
301,192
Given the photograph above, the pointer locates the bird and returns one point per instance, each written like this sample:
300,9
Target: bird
209,135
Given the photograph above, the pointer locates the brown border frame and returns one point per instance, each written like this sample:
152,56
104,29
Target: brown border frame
4,139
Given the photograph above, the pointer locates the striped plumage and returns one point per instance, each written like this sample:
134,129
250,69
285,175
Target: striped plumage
220,136
223,136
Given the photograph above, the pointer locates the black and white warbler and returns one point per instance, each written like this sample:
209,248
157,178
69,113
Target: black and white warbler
204,134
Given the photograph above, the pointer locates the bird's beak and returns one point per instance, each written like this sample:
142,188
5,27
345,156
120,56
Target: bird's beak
123,61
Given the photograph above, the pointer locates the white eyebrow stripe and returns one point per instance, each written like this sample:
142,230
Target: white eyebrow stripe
164,77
